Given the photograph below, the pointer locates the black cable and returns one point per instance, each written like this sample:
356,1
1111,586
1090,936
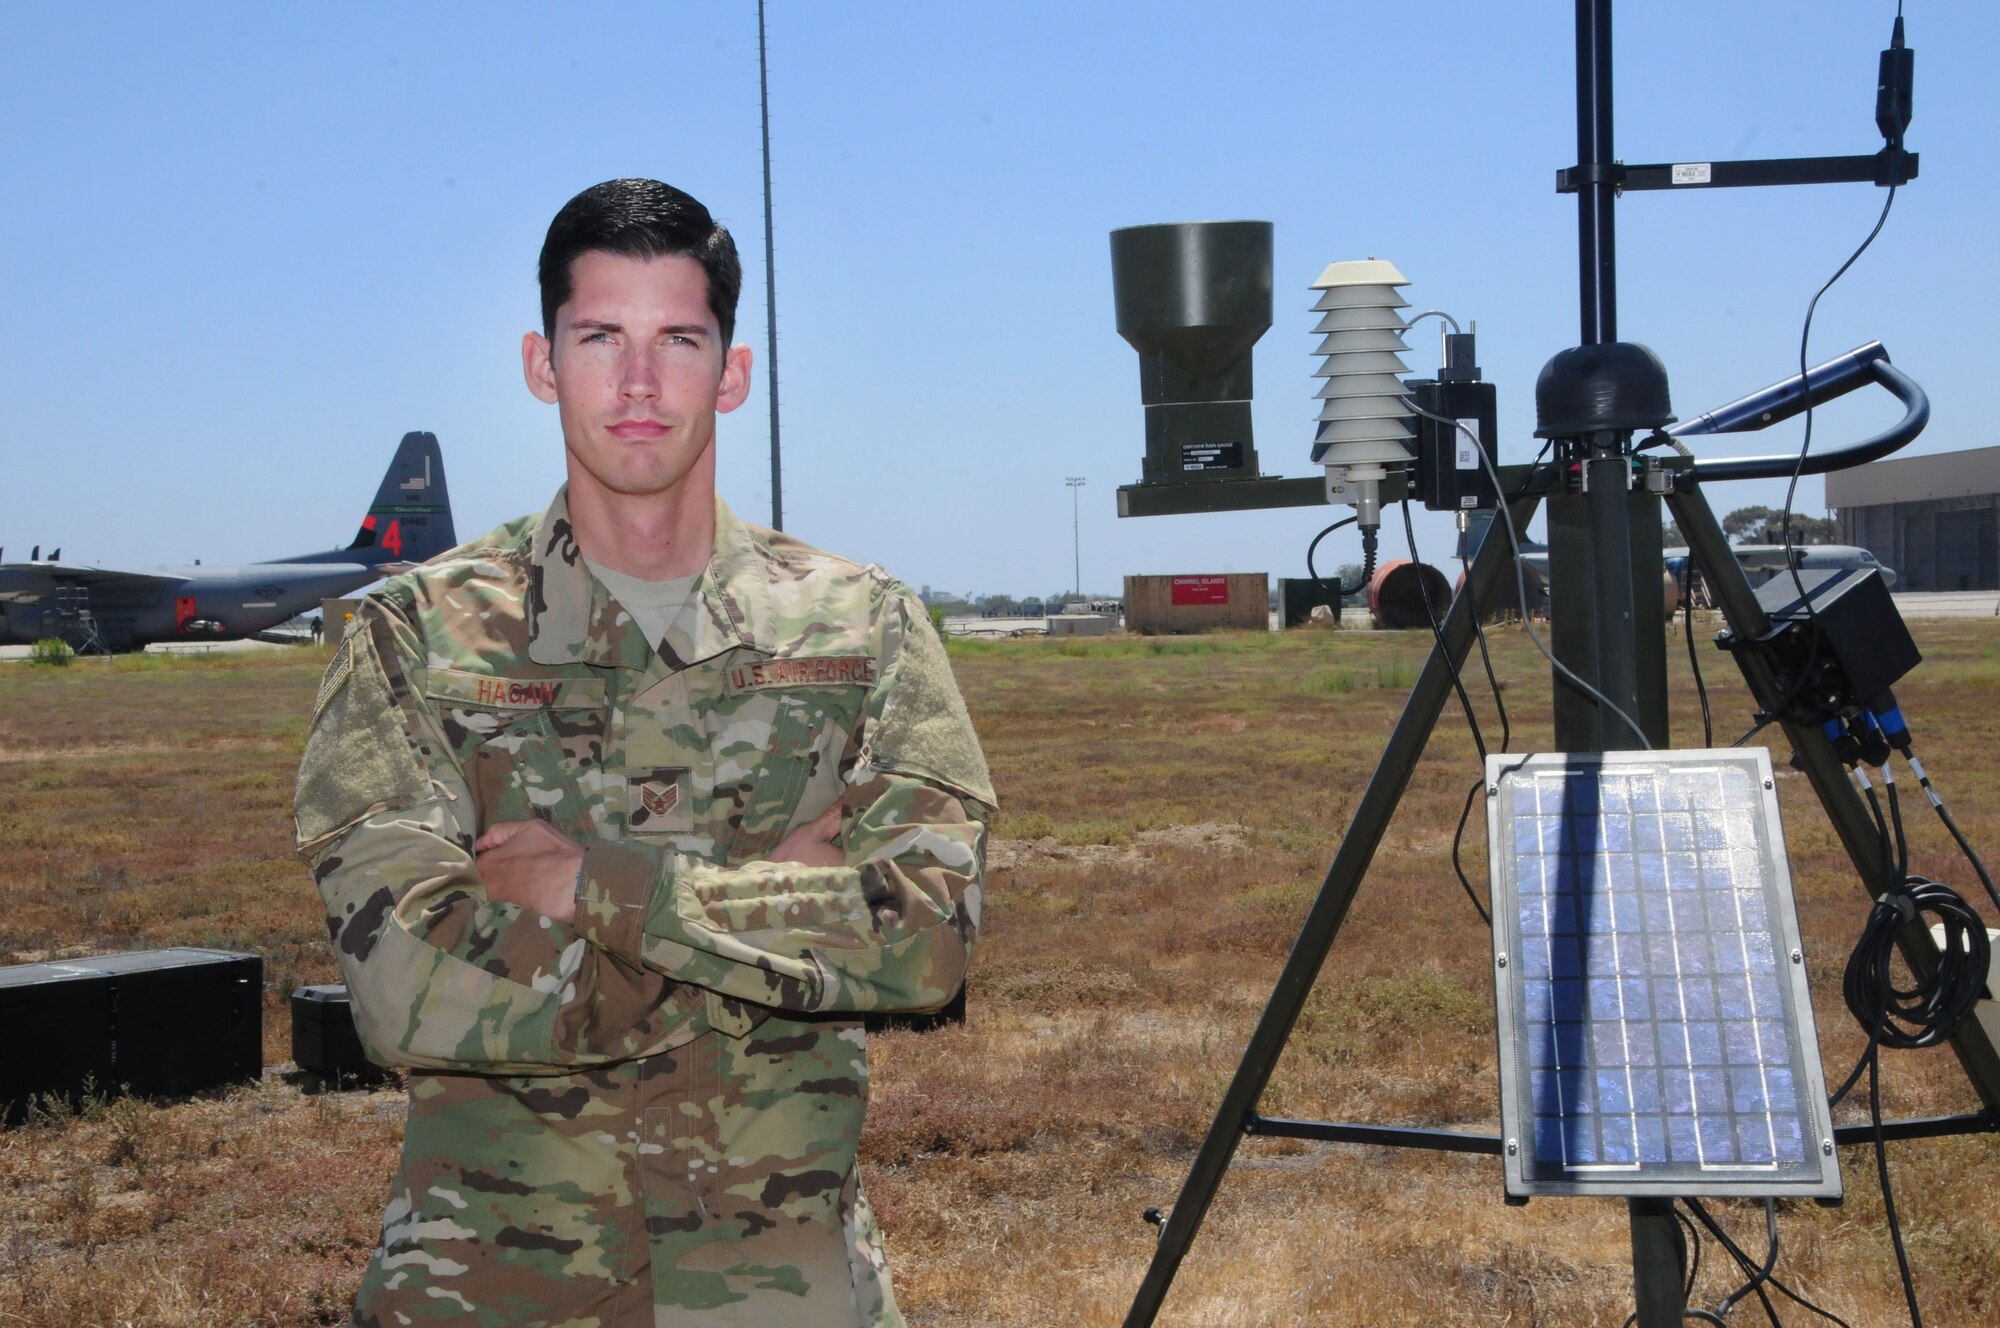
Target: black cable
1521,585
1742,1259
1687,630
1875,810
1950,824
1465,812
1437,635
1754,730
1927,1012
1694,1251
1457,863
1367,558
1805,443
1896,821
1465,704
1763,1271
1882,1175
1506,735
1486,658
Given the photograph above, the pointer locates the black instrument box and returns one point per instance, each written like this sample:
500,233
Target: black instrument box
323,1037
156,1023
1298,596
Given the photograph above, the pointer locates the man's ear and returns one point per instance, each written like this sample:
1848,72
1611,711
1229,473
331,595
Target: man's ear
538,367
735,384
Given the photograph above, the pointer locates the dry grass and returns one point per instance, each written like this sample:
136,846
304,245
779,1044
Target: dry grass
1170,808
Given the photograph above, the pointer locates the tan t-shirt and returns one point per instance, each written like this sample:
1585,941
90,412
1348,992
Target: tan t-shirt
653,604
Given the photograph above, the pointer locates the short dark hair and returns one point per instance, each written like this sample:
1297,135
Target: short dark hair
640,219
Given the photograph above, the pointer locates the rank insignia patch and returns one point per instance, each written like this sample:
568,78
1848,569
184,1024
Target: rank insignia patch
657,801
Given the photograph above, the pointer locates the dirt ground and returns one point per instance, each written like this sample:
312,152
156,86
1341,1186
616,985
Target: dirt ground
1169,808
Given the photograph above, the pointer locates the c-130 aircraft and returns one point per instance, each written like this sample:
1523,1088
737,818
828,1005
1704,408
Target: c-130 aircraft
129,608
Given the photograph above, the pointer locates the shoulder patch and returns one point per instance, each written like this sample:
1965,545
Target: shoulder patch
335,677
924,729
358,758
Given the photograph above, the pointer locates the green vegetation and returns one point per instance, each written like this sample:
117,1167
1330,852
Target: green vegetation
51,650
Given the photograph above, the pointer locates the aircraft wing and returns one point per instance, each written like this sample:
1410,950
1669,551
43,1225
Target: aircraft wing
25,583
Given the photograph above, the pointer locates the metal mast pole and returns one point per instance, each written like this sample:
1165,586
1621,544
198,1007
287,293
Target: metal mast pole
1597,249
770,275
1075,483
1659,1253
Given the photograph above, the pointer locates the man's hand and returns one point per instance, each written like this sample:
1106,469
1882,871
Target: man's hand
814,844
530,863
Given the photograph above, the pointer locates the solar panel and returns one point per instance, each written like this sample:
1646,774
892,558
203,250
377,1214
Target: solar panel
1655,1032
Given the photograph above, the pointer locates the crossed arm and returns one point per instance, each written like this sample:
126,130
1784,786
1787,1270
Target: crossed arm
535,865
525,951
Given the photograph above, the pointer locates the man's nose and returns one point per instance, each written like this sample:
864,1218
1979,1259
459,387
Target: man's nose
639,376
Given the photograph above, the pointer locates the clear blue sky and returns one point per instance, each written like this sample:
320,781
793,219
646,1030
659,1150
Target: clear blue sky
247,246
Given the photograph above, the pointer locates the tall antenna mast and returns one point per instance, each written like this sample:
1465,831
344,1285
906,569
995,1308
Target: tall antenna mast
770,276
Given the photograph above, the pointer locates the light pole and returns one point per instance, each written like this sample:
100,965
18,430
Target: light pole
770,276
1076,482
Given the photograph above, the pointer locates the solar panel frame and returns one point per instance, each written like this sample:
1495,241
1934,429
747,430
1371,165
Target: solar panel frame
1598,936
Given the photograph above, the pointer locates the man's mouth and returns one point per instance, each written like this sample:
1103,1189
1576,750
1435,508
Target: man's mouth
636,430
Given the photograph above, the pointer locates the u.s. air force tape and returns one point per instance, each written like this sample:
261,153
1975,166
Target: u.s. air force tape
814,671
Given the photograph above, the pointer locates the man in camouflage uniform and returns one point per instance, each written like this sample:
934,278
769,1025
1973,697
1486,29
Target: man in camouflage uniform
617,897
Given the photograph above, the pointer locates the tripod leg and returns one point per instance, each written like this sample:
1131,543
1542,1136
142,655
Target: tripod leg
1322,924
1812,755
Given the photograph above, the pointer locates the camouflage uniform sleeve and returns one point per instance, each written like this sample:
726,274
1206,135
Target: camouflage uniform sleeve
893,928
440,975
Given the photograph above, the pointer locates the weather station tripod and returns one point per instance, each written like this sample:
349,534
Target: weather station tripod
1604,500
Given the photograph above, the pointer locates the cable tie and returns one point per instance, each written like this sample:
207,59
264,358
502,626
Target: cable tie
1901,901
1917,768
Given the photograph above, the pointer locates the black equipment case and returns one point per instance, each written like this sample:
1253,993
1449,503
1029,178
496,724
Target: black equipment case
156,1023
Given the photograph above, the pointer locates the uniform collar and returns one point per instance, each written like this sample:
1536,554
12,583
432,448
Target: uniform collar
573,619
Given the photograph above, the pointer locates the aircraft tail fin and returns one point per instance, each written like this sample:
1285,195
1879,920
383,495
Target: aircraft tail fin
410,519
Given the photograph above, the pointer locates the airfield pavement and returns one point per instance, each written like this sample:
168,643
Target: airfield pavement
1920,604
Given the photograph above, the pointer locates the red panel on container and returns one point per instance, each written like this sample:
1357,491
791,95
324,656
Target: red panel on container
1201,590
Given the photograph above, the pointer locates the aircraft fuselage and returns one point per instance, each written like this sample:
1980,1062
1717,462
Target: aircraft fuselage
198,603
129,608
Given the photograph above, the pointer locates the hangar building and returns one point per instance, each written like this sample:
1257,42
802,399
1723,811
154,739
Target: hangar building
1935,519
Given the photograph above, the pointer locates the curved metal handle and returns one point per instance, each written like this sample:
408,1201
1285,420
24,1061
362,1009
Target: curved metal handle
1869,363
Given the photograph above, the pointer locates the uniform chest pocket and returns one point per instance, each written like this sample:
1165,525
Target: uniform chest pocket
538,761
777,758
523,772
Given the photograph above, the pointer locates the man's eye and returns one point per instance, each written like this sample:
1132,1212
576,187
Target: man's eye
597,337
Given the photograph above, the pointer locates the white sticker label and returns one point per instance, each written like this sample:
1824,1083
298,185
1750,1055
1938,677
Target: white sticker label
1691,172
1469,442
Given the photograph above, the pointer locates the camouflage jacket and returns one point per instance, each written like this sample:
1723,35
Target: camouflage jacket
649,1115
